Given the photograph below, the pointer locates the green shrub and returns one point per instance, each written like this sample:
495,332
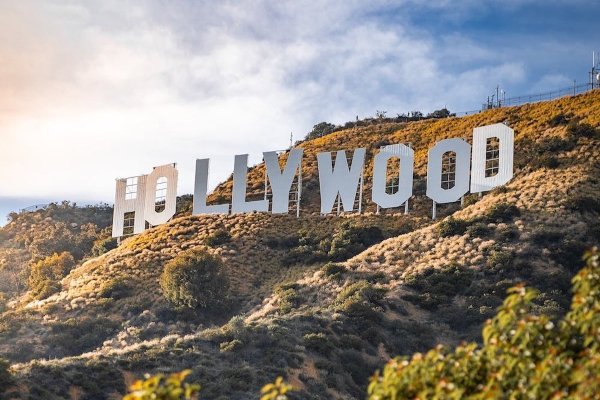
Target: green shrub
502,212
437,287
568,254
115,289
285,242
557,120
103,245
230,346
195,279
333,269
350,240
583,130
554,145
507,232
546,161
583,203
499,259
546,236
76,336
318,342
360,300
218,238
356,365
319,130
303,249
478,229
6,378
303,254
452,226
347,241
46,274
289,298
470,199
523,355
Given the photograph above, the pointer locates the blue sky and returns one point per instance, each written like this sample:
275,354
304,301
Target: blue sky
91,91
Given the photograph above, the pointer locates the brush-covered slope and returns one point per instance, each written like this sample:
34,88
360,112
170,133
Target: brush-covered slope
325,300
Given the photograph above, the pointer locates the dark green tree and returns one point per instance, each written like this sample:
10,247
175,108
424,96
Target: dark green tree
195,279
319,130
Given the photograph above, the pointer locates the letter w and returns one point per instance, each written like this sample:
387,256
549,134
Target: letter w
342,180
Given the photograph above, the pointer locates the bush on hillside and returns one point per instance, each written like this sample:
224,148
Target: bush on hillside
558,120
350,240
58,228
360,300
347,241
46,274
289,298
184,205
76,336
318,342
103,245
218,238
195,279
502,212
452,226
6,379
546,161
435,288
554,145
319,130
441,113
115,289
333,269
478,229
523,355
583,203
303,249
583,130
499,259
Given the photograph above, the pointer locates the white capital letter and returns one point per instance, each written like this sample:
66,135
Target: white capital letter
502,170
281,182
129,198
201,190
460,175
238,197
167,193
406,157
342,180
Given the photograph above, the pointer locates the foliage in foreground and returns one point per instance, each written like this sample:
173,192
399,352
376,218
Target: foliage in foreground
276,390
159,387
522,356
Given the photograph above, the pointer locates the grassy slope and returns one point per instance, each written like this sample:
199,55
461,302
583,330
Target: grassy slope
439,289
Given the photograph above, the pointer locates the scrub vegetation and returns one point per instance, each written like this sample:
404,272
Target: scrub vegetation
322,301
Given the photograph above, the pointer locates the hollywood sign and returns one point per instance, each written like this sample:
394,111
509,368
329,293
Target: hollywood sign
454,167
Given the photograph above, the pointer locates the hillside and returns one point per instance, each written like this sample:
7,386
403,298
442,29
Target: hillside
322,300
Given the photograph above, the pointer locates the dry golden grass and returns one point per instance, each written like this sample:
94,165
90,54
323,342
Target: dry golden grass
543,196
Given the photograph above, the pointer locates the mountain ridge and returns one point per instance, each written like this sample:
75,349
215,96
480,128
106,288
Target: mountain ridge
326,319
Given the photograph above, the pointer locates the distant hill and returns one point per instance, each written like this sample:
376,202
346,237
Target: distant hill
321,300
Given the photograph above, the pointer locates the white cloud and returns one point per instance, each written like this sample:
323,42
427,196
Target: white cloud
93,91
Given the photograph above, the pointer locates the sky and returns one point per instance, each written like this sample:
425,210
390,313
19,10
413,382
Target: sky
96,90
